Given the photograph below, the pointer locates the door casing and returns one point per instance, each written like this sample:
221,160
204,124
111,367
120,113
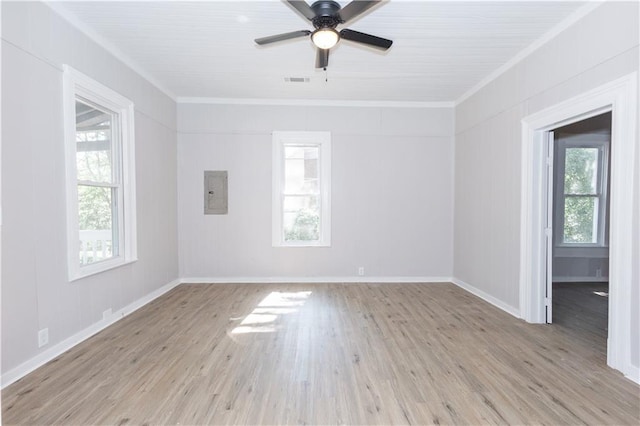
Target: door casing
619,97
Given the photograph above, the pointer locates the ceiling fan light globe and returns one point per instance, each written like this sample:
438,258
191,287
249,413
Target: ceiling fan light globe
325,38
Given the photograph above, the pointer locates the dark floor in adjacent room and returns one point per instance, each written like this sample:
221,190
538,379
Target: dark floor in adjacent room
583,309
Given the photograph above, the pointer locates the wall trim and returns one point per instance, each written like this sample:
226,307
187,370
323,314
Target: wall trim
580,279
633,374
313,102
316,280
116,52
620,97
42,358
107,45
39,360
487,297
544,39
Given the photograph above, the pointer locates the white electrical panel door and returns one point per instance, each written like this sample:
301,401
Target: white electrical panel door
216,192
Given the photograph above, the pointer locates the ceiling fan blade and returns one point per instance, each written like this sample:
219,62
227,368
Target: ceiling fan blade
369,39
282,37
355,8
303,8
322,60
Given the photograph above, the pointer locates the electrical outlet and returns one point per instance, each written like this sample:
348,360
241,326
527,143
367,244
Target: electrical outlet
106,314
43,337
361,270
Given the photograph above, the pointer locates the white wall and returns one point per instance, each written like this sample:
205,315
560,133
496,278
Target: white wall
392,188
35,291
597,49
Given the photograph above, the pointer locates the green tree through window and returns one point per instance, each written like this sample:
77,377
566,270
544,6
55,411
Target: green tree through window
581,195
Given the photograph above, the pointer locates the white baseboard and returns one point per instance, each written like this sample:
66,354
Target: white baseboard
487,297
42,358
28,366
580,279
292,280
633,374
59,348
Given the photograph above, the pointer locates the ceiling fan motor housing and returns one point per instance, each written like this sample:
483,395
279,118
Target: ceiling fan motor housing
327,14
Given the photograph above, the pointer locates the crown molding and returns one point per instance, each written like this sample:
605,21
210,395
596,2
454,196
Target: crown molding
116,52
105,44
313,102
548,36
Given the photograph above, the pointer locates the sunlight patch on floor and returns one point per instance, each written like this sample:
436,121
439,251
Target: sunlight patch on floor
262,319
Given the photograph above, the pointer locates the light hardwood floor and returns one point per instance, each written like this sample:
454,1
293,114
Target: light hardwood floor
324,354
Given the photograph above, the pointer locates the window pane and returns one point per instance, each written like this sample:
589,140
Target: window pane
581,171
96,223
93,144
301,218
580,220
301,170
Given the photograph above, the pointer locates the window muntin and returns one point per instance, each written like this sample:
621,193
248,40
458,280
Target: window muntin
100,176
301,189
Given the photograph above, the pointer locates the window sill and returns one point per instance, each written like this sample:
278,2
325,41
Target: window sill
301,245
98,268
581,251
572,246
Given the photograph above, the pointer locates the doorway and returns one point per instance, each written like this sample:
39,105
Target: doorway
620,98
578,285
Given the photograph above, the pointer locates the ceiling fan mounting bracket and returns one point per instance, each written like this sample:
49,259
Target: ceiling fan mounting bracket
327,9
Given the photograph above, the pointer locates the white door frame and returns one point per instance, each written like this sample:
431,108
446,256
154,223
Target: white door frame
619,97
549,143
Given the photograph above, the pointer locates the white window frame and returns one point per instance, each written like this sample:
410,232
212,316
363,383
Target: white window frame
322,140
601,143
77,85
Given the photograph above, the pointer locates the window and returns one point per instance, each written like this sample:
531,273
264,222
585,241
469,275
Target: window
100,176
301,189
582,189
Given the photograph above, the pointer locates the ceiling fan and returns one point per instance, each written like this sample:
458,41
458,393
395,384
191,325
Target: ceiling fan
326,15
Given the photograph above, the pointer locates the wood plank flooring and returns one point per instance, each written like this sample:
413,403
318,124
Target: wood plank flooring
324,354
583,309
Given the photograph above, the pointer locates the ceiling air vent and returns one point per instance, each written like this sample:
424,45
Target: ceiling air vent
297,79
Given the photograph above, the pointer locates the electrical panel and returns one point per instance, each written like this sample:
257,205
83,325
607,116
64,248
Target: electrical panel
216,192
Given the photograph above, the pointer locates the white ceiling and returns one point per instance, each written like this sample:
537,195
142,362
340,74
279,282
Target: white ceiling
441,50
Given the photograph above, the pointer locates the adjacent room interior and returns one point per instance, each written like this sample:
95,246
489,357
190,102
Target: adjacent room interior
275,212
580,265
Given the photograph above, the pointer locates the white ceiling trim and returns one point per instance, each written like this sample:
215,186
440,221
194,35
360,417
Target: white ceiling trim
548,36
312,102
116,52
109,47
